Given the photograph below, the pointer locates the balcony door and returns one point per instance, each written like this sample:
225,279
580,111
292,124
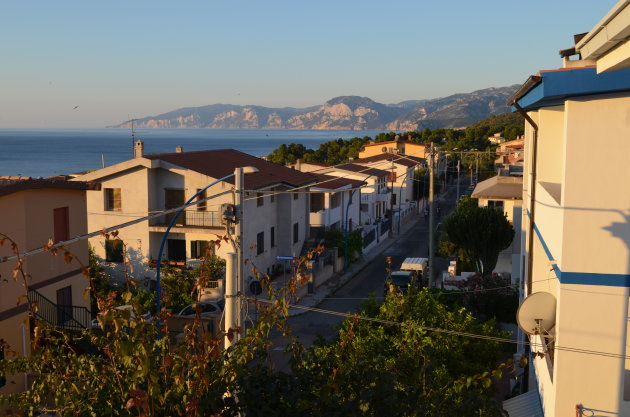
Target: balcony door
173,199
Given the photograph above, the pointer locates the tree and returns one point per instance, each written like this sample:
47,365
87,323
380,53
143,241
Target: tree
389,361
482,232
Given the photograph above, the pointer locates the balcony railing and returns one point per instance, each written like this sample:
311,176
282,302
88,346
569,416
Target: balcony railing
191,218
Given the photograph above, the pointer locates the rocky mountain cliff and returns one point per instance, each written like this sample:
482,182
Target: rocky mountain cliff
345,113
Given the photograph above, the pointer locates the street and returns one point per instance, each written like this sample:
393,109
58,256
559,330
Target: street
347,299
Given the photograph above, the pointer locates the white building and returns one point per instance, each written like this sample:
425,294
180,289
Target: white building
275,217
577,221
505,194
334,204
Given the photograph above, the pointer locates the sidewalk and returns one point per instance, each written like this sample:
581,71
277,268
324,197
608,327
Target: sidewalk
340,279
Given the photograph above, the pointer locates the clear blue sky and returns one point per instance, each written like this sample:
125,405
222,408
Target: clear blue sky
141,58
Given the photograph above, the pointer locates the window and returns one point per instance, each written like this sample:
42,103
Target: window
296,229
335,200
61,222
497,204
176,250
272,236
260,199
113,200
114,250
317,202
202,196
260,243
201,249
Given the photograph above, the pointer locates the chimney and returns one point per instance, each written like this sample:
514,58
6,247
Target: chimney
179,149
138,150
298,165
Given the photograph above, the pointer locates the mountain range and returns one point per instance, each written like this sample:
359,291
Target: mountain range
341,113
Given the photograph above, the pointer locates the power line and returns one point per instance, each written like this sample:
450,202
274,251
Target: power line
446,331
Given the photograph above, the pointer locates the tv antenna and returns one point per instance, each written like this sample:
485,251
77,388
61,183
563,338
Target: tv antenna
133,137
537,313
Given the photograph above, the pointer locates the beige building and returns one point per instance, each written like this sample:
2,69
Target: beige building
506,194
400,146
576,222
275,220
32,211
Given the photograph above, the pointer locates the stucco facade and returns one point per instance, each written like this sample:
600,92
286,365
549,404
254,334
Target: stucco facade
275,214
576,217
27,216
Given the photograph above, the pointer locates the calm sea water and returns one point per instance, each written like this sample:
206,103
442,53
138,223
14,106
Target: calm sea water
46,152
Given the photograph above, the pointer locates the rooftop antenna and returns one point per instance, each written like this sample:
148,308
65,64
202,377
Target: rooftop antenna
133,137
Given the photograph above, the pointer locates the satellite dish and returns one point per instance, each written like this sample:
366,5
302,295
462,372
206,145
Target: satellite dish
537,313
384,149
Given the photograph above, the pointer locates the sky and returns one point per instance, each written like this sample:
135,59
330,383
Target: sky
137,58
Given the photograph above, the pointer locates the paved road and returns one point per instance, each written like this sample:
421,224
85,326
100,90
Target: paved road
413,243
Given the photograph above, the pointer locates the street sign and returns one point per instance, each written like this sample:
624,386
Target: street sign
284,258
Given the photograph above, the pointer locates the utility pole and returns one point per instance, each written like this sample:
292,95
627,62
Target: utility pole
238,231
431,220
477,167
230,297
458,168
392,200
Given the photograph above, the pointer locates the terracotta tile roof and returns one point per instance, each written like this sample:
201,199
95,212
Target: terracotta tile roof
10,185
386,156
405,141
329,182
362,170
221,162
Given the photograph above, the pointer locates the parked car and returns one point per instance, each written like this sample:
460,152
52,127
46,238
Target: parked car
132,315
399,282
206,308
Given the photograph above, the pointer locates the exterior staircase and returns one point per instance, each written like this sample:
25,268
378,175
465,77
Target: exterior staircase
66,317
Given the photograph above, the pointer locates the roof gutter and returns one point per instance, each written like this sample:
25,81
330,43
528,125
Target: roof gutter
602,23
532,192
531,82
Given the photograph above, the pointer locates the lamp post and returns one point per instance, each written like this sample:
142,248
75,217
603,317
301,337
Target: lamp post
239,191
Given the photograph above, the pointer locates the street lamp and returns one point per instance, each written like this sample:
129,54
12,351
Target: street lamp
239,189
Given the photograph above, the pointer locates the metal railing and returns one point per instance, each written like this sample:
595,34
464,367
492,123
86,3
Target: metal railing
191,218
369,237
65,316
386,225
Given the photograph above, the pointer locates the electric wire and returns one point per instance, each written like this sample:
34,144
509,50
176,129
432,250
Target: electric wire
449,332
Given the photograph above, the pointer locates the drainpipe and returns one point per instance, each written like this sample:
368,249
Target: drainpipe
532,196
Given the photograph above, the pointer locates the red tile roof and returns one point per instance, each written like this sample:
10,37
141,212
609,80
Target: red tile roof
362,170
398,159
10,185
221,162
330,182
394,141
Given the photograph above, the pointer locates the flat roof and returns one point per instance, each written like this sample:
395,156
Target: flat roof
500,187
553,87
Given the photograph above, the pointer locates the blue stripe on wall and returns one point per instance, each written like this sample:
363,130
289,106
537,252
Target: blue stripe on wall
582,278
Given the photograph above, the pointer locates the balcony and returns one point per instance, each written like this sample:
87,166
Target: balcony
190,219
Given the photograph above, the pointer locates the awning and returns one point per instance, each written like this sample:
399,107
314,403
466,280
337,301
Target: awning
524,405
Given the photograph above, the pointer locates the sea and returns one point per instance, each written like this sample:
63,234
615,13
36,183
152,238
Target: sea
47,152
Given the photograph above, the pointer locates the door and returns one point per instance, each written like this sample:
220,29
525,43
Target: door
172,199
64,305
